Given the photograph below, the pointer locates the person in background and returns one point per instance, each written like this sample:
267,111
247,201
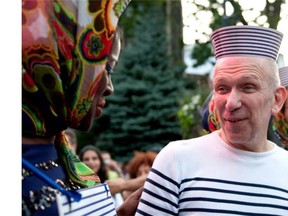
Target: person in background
113,167
141,163
124,185
280,121
92,157
72,139
68,55
139,166
204,112
234,170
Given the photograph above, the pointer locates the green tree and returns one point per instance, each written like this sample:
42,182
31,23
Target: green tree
189,115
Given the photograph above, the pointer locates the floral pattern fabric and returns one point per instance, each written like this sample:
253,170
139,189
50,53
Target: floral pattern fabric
280,126
64,51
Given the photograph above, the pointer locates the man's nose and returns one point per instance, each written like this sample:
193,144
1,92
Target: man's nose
233,100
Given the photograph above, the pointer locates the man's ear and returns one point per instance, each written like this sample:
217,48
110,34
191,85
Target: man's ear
279,100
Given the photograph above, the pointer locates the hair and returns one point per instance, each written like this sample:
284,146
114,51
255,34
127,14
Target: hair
71,132
72,137
139,159
271,68
102,173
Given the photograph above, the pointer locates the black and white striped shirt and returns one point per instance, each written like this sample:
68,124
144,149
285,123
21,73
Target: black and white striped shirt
205,176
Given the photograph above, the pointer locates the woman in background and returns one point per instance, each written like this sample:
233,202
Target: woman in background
141,163
92,157
138,168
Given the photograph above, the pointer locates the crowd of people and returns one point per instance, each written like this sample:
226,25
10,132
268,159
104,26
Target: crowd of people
123,179
234,169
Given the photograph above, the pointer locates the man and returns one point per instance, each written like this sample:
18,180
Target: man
69,49
235,170
71,139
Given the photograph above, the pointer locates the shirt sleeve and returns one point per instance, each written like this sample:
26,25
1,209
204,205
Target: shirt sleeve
161,192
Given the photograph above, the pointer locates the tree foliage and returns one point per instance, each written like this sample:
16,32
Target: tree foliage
270,13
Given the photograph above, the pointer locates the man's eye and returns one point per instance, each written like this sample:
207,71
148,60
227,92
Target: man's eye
222,90
249,88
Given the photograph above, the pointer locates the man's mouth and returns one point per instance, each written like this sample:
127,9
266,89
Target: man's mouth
234,120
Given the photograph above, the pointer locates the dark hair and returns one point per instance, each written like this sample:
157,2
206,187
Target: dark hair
102,173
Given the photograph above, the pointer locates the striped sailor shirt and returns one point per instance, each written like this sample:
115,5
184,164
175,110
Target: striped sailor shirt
206,176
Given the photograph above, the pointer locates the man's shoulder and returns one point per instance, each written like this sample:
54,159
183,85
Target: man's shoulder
193,142
196,139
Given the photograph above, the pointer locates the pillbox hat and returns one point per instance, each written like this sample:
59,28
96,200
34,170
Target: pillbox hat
246,40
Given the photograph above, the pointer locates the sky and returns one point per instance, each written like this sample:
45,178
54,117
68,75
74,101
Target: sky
190,23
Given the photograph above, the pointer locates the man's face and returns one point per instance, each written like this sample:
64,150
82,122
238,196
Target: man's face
243,99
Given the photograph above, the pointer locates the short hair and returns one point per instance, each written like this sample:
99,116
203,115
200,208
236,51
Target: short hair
73,137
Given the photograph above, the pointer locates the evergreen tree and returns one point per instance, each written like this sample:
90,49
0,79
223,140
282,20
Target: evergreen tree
142,112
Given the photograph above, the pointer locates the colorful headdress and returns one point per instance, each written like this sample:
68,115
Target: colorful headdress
64,52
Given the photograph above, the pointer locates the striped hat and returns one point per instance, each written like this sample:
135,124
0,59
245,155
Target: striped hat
283,74
246,40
